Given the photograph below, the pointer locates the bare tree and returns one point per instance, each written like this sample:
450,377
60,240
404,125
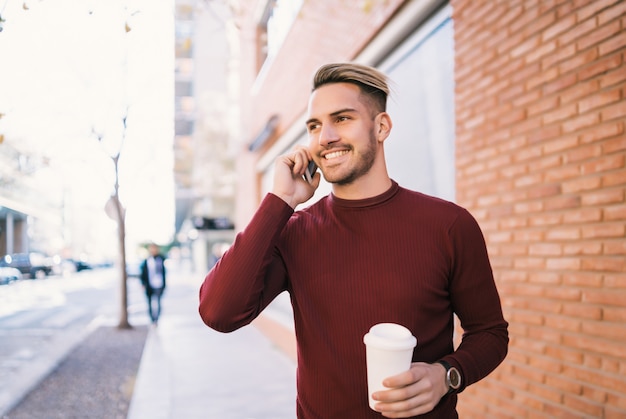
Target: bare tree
117,212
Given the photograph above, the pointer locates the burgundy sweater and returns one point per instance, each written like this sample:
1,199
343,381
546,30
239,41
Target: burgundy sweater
401,257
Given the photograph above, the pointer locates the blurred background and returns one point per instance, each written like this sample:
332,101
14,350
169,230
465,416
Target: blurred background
177,109
114,99
82,82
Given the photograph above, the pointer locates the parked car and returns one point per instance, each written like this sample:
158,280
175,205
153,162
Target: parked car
34,265
8,275
70,266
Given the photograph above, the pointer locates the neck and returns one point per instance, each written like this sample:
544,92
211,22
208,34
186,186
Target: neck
367,186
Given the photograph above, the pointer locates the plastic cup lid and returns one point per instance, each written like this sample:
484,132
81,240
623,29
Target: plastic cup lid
390,336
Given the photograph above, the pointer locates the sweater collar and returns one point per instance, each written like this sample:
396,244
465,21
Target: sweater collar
367,202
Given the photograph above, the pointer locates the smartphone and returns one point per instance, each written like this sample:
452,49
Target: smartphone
310,171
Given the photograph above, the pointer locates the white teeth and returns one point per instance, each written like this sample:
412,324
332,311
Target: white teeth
335,154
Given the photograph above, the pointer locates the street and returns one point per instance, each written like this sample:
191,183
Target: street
42,320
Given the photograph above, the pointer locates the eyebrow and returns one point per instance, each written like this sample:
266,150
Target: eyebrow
339,112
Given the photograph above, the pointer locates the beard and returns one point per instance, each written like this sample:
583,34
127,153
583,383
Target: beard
361,167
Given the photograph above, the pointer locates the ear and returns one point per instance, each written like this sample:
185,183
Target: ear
383,126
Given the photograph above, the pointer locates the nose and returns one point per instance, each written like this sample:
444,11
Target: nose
328,135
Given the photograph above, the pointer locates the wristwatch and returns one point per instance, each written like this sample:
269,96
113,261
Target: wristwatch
453,377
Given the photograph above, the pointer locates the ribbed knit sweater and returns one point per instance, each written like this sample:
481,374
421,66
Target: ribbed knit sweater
401,257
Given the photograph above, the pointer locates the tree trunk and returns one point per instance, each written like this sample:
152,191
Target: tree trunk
121,229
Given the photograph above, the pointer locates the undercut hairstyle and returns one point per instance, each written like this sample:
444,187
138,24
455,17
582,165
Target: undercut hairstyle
371,82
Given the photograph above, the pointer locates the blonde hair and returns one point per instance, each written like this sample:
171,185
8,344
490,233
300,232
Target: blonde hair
371,82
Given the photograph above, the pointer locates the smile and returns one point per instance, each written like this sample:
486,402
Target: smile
335,154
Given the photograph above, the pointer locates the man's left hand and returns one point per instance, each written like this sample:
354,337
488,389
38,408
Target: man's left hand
412,393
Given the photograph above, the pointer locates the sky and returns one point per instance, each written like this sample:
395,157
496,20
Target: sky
69,73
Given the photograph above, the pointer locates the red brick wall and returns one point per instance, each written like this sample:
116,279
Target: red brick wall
541,154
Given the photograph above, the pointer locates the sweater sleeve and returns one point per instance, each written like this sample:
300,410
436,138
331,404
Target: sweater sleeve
477,304
250,274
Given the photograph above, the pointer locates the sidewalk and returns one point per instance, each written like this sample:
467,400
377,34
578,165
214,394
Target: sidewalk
190,371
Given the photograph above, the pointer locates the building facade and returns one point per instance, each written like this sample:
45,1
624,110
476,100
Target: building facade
204,155
514,110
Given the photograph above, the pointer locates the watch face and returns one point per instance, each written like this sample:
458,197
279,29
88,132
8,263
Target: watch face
455,378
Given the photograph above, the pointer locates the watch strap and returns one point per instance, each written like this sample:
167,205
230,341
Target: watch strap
447,366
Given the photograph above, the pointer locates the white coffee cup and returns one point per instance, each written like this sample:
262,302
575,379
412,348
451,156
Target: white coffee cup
388,352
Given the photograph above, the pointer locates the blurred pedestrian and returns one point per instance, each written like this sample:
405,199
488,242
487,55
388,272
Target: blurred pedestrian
153,280
370,252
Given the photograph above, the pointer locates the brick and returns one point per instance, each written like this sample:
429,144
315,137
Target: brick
598,100
605,131
612,78
581,184
545,249
544,191
560,294
615,247
564,24
582,248
529,401
566,171
562,53
541,305
604,298
564,354
615,281
562,202
583,152
544,335
613,409
548,220
600,66
614,314
614,112
582,279
564,384
615,144
603,197
608,330
559,411
528,236
560,143
614,178
563,233
578,90
593,8
594,394
546,76
582,311
565,263
581,29
582,405
594,345
583,215
615,212
597,36
612,45
545,393
615,12
604,230
580,122
558,114
606,264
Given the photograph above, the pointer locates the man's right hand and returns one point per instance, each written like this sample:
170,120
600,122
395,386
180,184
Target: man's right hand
289,184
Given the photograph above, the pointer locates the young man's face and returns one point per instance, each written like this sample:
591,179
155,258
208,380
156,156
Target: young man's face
341,131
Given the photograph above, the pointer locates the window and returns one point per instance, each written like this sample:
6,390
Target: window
277,18
420,149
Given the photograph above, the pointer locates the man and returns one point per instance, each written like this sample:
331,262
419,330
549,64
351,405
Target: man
370,252
153,280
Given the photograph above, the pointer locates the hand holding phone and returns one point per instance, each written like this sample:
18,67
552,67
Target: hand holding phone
310,171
